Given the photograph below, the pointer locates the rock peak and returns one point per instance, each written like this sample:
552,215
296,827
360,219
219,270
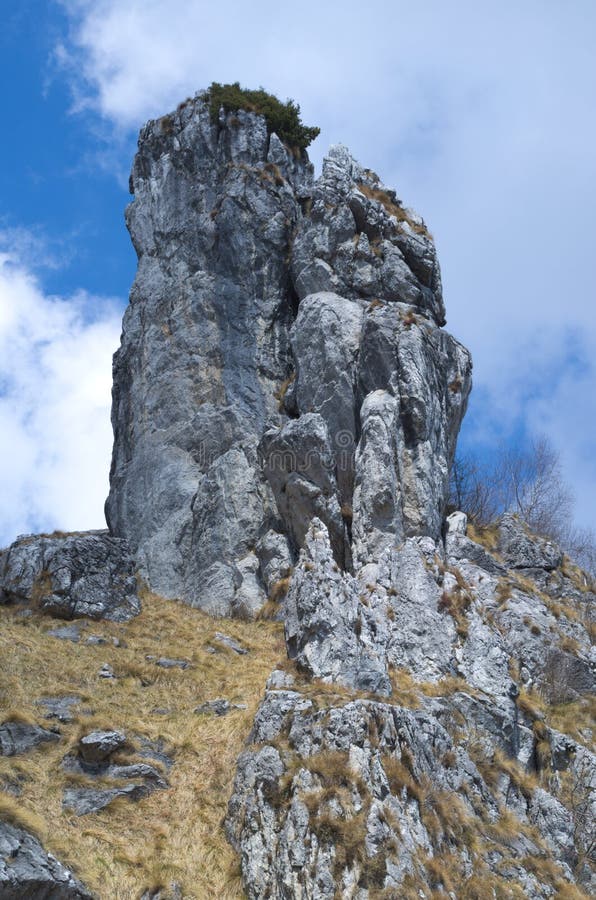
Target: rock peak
266,309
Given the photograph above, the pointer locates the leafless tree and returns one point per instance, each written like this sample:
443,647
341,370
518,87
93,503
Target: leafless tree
531,482
527,480
472,490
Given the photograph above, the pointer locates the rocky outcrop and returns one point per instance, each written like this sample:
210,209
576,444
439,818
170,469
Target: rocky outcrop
282,359
132,779
520,549
286,407
205,348
444,775
26,870
329,632
338,812
71,575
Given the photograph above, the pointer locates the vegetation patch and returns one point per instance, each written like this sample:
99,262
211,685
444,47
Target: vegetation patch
282,118
485,535
393,207
281,392
457,602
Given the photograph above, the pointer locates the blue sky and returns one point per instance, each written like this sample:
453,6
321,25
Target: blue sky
480,115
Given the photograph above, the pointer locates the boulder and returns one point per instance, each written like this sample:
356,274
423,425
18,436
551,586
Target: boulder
20,737
97,746
26,870
72,575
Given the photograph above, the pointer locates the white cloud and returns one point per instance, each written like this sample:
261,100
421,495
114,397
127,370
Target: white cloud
55,377
481,114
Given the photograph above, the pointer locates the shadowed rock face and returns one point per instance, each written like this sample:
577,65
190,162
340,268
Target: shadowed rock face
263,297
205,346
26,870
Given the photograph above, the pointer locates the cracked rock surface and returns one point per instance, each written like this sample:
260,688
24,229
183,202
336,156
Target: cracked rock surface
406,731
72,575
282,358
26,870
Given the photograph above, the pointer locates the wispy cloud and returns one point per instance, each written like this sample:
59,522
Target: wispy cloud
55,376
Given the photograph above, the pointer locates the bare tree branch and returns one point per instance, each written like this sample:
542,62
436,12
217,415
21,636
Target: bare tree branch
527,480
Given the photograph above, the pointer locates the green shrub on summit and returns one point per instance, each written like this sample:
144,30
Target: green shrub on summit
282,118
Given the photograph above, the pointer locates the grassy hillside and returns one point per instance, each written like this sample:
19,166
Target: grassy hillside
173,835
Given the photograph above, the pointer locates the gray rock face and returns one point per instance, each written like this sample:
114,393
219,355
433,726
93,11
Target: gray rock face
299,464
359,241
337,796
329,632
19,737
26,870
265,311
428,374
98,746
83,574
205,348
522,550
326,344
347,800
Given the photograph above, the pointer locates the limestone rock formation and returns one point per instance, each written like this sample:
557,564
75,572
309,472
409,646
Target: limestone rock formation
26,870
450,779
286,407
71,575
281,359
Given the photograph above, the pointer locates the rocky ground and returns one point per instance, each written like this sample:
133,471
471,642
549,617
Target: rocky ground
432,731
456,757
172,694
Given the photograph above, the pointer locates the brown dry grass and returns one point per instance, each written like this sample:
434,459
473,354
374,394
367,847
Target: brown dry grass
173,835
281,392
583,581
575,719
406,691
457,602
393,208
485,535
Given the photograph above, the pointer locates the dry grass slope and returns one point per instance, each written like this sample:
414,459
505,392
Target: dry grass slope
173,835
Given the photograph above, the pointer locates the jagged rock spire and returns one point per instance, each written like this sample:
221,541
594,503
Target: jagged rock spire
281,359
